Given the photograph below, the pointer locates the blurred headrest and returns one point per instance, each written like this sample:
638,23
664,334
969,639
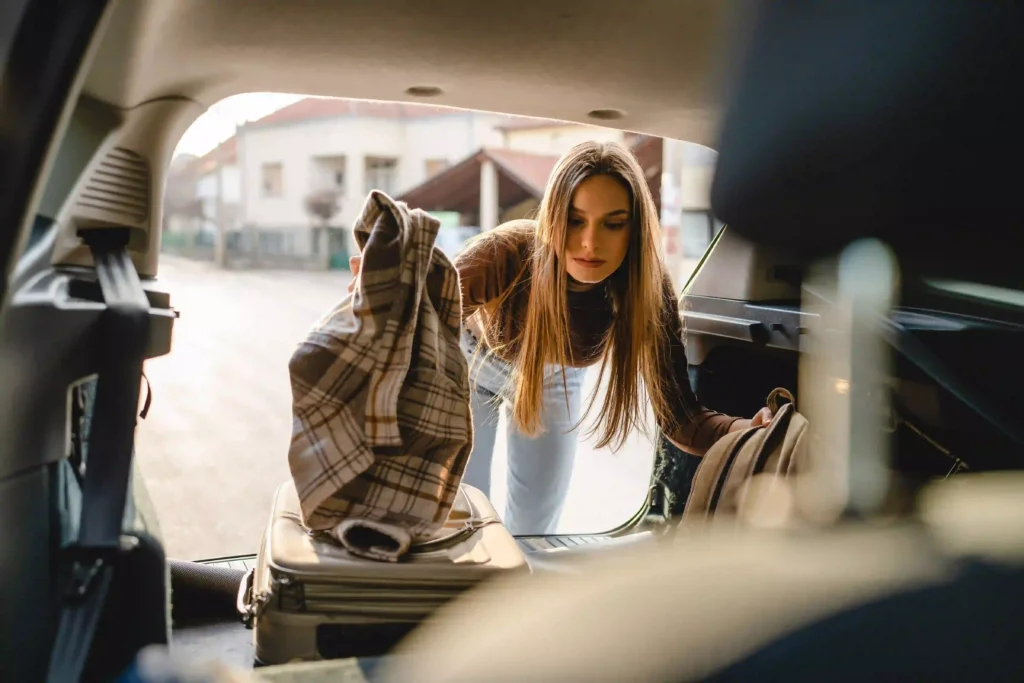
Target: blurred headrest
902,120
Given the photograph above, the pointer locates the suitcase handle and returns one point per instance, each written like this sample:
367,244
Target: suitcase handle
243,602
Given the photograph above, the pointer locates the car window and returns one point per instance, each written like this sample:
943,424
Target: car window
260,200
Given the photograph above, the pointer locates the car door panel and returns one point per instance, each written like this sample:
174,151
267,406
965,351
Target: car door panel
44,58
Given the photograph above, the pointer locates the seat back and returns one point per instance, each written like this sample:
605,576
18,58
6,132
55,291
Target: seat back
896,120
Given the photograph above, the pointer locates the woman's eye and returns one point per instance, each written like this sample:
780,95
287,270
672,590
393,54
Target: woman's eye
575,222
615,226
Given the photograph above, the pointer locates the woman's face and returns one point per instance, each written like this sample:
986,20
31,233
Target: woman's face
598,231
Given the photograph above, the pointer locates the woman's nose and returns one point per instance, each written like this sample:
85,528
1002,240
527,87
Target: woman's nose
588,235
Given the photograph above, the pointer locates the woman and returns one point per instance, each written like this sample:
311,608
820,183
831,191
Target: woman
545,299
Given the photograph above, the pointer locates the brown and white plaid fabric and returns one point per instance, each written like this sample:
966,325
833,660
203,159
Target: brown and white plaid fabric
380,392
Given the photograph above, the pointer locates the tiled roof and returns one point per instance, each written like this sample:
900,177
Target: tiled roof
532,170
224,154
520,174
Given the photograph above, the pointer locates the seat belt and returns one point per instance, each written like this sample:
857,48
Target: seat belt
87,566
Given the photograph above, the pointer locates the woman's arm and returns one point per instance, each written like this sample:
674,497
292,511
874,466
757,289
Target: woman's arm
489,263
698,426
700,445
703,428
478,280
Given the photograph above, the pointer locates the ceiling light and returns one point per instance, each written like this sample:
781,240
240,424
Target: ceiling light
606,114
424,91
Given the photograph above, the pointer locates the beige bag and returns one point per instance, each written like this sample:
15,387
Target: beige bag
308,598
722,480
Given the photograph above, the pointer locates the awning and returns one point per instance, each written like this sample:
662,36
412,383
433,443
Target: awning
521,176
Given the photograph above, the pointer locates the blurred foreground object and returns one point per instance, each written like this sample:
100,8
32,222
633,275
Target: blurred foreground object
897,120
936,601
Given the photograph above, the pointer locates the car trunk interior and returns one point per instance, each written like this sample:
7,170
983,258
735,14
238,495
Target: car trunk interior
162,62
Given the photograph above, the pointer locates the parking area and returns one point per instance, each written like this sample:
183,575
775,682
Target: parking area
214,446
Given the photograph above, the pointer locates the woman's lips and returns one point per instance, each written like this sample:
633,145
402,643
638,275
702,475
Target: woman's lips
586,263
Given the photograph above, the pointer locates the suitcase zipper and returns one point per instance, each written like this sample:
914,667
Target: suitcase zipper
470,528
435,545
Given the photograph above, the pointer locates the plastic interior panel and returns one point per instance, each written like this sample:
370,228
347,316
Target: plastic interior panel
61,307
27,531
49,342
710,321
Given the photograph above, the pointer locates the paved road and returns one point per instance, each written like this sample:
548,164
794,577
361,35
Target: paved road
214,446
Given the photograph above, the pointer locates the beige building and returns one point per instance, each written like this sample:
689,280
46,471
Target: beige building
266,187
538,136
349,147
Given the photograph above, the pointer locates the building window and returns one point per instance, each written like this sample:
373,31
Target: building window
272,180
435,166
271,242
328,173
381,174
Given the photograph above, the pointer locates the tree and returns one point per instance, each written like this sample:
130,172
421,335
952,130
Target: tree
180,191
323,205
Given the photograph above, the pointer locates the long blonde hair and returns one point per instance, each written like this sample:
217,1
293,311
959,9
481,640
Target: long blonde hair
636,358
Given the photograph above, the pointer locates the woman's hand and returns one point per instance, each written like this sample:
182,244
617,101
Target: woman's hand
762,418
354,262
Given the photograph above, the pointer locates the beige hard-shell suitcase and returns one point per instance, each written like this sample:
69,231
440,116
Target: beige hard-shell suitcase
308,598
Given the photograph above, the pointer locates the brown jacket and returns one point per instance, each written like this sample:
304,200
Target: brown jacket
491,264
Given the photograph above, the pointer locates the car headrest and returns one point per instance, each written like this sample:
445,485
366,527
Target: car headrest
902,120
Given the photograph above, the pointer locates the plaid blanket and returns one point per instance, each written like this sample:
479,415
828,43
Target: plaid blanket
380,391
